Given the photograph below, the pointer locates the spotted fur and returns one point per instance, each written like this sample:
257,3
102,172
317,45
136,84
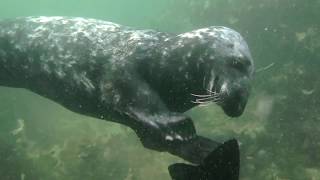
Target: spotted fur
140,78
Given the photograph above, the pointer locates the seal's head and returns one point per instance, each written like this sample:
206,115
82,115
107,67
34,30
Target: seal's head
228,68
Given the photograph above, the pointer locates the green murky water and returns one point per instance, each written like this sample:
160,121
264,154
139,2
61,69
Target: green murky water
279,132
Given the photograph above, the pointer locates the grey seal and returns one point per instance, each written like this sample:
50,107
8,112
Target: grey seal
144,79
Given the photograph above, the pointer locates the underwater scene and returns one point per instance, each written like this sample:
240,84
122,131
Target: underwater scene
278,133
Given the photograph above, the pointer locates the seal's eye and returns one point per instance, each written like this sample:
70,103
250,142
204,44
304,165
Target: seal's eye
239,64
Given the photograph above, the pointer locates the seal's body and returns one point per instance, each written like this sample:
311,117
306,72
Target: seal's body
144,79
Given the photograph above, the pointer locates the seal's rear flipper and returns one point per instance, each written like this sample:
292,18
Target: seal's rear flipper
221,164
182,171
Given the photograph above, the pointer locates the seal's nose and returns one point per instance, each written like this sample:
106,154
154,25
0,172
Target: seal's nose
235,110
236,102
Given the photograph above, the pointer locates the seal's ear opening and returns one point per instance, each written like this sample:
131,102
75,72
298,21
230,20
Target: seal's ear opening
221,164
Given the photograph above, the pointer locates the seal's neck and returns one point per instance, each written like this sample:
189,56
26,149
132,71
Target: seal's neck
175,73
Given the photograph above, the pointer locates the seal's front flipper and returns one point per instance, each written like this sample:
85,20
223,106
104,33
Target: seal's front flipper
221,164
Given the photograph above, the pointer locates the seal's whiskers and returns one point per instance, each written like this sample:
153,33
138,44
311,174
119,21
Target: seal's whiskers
211,92
206,99
201,103
204,105
197,95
